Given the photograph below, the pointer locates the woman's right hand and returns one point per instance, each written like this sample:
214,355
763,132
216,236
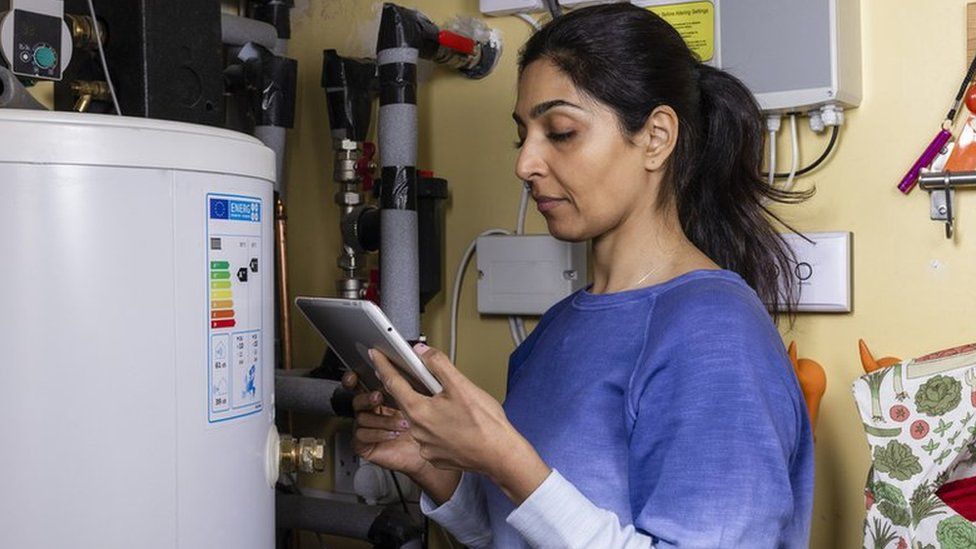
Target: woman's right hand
382,434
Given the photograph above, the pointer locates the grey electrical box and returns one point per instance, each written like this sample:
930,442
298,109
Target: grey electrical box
794,55
527,274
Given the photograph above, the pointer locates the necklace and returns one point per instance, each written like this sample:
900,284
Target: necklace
664,261
643,278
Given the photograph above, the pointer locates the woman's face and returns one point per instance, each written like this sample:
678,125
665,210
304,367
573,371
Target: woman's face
586,176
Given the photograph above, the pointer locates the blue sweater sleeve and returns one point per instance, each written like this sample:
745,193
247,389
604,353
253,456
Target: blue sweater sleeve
716,415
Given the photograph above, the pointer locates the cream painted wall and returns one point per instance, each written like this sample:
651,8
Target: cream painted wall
911,285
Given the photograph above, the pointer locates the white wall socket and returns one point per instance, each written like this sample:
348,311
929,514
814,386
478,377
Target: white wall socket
822,271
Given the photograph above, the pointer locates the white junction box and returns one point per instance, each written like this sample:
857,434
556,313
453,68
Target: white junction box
822,270
508,7
527,274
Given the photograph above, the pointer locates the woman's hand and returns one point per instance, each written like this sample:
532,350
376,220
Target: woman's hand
382,436
463,428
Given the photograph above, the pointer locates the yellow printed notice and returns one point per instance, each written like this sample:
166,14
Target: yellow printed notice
695,21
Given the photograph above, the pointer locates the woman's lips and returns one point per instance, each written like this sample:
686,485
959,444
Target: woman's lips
546,204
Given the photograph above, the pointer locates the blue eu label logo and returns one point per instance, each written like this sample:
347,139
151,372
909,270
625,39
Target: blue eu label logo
218,209
235,210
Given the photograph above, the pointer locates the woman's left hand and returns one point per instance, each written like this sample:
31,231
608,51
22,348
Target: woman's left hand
464,427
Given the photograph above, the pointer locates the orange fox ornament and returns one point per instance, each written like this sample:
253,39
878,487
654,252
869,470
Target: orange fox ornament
813,382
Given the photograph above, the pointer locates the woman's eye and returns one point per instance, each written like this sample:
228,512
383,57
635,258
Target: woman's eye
560,137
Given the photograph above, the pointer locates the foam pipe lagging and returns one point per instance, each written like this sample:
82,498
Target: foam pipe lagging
13,94
305,395
400,271
275,138
237,31
398,134
401,34
338,518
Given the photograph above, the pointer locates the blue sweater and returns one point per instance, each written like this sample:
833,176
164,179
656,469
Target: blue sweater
672,406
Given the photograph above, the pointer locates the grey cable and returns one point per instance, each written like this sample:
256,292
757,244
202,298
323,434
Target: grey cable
101,54
456,293
555,10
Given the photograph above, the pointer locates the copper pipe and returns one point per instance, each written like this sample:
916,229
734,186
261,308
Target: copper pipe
284,305
281,228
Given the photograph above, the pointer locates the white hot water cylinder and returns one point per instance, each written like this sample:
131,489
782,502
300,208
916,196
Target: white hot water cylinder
136,334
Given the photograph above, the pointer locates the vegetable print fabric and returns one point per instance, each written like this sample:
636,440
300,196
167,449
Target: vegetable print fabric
920,421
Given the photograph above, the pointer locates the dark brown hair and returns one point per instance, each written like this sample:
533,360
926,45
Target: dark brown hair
633,61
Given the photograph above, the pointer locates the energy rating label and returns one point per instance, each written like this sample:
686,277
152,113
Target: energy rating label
234,270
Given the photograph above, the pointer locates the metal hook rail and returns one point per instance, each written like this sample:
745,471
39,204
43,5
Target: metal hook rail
941,187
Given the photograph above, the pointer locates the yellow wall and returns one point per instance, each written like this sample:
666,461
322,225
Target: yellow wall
911,285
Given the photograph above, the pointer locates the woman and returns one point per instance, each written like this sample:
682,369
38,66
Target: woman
658,407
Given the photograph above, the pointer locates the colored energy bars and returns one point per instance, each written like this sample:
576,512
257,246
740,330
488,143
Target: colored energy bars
221,296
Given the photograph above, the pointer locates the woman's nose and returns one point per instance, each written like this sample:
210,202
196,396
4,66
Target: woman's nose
529,165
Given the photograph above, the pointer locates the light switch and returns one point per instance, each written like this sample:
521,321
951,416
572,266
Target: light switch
822,271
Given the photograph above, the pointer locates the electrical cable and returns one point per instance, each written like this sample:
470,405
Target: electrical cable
513,330
772,157
795,159
530,20
516,325
458,278
555,10
101,54
403,500
519,324
523,209
816,163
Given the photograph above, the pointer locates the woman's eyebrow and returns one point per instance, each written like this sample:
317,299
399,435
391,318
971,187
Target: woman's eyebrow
541,108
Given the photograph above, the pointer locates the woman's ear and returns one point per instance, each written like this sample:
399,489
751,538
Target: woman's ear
661,132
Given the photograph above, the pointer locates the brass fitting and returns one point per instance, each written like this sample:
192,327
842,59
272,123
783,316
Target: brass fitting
88,91
304,455
83,31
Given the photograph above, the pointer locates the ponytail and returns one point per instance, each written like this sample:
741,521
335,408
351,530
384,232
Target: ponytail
633,61
722,202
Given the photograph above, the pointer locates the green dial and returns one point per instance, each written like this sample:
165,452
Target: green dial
45,57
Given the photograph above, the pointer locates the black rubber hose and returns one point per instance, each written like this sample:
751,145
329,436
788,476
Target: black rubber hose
816,163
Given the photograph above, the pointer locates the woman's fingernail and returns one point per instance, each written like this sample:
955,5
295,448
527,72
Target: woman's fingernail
394,434
420,349
372,355
375,397
404,425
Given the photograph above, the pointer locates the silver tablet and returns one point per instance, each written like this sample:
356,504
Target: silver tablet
352,327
